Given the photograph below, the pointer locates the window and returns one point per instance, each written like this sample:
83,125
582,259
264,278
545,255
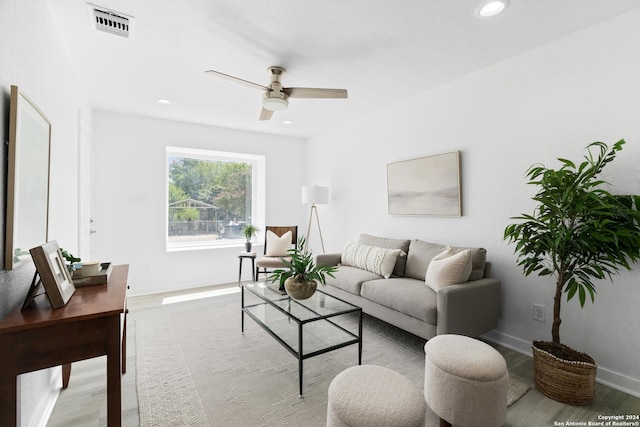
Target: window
211,196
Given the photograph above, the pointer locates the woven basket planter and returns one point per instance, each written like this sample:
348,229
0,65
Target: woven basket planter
567,381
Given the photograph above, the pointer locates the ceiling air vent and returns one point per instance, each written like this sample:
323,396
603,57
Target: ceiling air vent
109,21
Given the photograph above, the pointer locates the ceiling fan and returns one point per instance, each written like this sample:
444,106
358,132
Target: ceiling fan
275,96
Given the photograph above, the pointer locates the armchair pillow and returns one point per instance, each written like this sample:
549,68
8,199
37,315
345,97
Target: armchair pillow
448,268
376,260
278,246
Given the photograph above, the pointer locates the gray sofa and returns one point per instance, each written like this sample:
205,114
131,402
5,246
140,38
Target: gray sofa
404,300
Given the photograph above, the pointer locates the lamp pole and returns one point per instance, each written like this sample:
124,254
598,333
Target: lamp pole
314,195
313,210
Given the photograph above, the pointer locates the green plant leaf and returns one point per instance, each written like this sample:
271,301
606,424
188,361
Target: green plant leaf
302,264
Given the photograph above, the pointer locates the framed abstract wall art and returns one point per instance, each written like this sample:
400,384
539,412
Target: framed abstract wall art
425,186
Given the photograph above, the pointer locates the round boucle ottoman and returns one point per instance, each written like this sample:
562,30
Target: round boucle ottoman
465,381
373,396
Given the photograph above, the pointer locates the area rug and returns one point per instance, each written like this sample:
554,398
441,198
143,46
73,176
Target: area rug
195,368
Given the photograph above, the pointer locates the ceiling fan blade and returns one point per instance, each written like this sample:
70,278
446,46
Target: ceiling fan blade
235,79
310,92
266,114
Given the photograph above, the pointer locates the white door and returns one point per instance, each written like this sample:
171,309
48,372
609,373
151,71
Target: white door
85,189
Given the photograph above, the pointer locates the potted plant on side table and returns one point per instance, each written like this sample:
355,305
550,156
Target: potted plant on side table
72,260
300,278
580,234
249,231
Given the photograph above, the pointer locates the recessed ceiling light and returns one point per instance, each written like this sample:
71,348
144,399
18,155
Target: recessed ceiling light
287,122
492,8
164,101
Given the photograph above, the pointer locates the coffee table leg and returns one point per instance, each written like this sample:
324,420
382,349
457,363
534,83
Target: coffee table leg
360,340
300,353
242,311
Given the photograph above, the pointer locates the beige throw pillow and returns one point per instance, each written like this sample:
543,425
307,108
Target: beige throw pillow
371,258
278,246
448,268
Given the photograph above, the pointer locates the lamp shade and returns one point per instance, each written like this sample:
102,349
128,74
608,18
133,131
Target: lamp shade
315,195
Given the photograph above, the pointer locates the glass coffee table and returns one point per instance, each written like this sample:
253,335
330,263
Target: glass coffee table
305,328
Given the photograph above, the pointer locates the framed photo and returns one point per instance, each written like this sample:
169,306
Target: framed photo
53,273
425,186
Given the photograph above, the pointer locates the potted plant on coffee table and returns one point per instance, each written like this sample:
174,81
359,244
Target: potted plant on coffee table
301,276
249,231
579,233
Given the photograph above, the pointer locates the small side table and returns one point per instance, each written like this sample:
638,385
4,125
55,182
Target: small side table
247,255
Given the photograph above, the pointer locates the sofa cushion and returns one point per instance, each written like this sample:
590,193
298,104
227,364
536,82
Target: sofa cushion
350,279
448,268
421,253
374,259
385,242
478,262
407,296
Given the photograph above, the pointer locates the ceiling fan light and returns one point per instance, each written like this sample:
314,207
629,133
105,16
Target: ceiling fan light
275,104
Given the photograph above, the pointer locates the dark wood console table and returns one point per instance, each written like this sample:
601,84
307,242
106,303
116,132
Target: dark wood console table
93,323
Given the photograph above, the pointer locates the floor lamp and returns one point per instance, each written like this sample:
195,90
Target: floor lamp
314,196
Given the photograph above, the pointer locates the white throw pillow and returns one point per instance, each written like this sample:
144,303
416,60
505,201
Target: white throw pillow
371,258
448,268
278,246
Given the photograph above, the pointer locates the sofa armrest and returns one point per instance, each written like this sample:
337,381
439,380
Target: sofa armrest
328,259
470,309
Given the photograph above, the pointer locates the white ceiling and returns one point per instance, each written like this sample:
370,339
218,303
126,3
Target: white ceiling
381,51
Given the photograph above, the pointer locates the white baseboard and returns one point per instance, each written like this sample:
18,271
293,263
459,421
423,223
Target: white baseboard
48,400
605,376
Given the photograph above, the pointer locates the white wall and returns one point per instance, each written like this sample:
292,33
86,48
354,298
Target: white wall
33,57
130,207
545,104
542,105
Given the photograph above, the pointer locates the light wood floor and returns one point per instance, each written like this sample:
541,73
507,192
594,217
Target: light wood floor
83,403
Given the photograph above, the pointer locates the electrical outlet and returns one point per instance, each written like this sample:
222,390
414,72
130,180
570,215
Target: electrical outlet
538,312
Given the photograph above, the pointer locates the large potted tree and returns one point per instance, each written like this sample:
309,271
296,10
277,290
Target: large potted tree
579,233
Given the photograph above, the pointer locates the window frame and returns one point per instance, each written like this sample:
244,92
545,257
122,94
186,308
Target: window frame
258,193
